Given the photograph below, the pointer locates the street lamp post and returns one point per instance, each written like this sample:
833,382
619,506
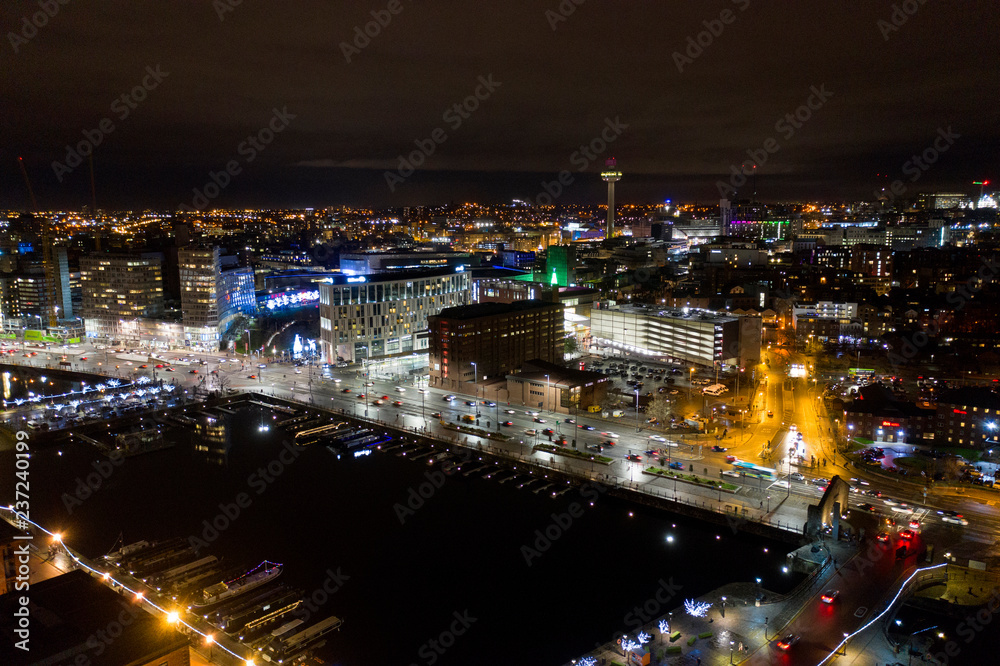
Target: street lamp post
475,369
637,410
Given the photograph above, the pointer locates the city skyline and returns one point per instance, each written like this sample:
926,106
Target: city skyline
310,110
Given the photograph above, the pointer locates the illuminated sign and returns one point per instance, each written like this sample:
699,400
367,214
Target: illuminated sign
360,278
363,452
890,424
291,299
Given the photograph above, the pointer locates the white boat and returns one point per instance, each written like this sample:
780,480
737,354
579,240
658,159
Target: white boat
225,590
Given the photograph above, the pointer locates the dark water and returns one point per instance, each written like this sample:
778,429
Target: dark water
461,552
17,382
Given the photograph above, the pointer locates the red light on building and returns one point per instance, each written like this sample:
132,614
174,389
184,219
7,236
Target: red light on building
890,424
959,411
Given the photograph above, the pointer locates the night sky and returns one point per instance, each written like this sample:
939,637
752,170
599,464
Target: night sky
562,79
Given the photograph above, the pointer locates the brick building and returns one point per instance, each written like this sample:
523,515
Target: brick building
473,343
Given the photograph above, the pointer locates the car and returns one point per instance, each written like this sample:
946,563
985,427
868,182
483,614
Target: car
587,427
907,534
608,442
397,403
448,398
657,438
889,501
378,402
436,415
297,371
193,371
570,420
829,596
595,447
867,507
873,493
781,483
788,641
248,376
171,370
509,411
346,390
676,465
369,383
903,508
719,449
539,419
385,397
612,435
770,414
531,432
362,396
797,476
261,366
158,365
144,366
507,423
914,524
400,389
731,472
548,431
634,457
731,459
820,482
83,358
470,403
489,403
944,512
955,520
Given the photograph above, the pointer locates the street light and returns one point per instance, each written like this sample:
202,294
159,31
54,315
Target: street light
475,369
637,410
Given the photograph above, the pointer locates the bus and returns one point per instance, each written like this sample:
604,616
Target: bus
754,471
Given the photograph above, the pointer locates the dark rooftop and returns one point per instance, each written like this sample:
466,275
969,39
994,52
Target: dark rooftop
476,310
68,612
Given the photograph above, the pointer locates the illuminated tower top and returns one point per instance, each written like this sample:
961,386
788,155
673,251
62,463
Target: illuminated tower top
611,175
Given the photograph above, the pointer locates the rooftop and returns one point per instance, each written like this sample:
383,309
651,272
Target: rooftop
477,310
552,374
693,314
67,613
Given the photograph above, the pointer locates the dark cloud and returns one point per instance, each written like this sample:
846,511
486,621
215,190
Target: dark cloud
607,59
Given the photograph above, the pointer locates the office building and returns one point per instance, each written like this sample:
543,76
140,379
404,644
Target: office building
200,274
371,316
474,343
118,291
238,296
688,335
366,263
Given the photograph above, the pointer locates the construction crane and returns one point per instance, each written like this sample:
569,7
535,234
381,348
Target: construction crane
47,265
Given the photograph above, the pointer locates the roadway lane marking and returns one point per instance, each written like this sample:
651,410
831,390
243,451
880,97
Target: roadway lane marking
861,611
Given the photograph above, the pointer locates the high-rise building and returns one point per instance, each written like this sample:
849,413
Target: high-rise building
117,291
473,343
200,273
611,175
370,316
238,296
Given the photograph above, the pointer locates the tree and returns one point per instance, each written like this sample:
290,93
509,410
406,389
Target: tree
659,408
570,345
